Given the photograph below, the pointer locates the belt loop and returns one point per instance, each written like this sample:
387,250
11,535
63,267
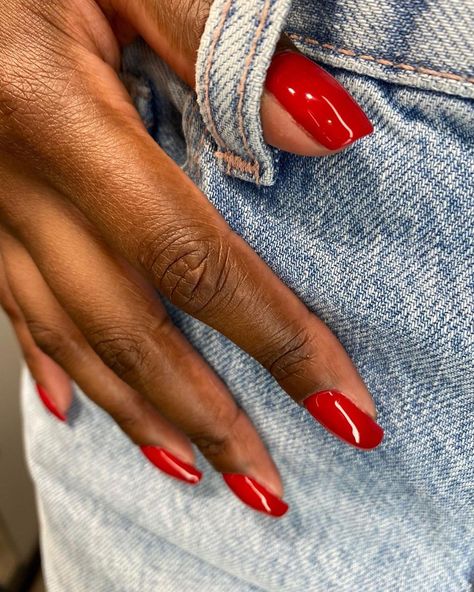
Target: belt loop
235,51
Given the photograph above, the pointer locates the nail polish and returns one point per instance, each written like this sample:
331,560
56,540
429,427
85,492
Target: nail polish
48,403
171,465
316,100
344,419
255,495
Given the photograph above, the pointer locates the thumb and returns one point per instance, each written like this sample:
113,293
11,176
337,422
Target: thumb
303,109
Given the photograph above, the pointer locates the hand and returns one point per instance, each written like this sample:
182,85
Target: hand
95,217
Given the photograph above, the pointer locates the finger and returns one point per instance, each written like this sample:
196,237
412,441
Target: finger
52,383
45,319
150,212
129,329
303,110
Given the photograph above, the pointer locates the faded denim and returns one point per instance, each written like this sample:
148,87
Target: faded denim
376,240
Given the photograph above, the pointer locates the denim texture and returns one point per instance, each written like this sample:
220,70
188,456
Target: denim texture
378,241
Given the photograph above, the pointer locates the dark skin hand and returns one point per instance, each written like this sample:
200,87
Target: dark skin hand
95,217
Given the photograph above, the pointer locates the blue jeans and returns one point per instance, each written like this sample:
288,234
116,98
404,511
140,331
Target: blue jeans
376,240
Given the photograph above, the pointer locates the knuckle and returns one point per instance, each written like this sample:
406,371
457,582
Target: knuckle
50,339
194,273
125,354
212,447
128,421
215,442
288,353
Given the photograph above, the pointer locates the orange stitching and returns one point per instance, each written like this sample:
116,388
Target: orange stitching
238,163
215,39
383,62
243,79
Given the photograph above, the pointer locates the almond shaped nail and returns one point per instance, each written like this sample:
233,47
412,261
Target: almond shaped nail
316,100
339,415
48,403
171,465
255,495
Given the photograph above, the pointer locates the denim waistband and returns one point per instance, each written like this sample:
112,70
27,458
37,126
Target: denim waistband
424,43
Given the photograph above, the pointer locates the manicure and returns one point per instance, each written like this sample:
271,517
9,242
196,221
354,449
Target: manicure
255,495
171,465
48,403
316,100
344,419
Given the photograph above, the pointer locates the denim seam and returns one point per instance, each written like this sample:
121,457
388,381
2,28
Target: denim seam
243,79
236,162
382,61
215,40
232,159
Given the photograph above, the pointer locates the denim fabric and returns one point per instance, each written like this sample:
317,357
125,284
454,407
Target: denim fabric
378,241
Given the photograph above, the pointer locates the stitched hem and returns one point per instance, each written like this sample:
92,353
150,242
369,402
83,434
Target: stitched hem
207,101
382,61
235,162
243,80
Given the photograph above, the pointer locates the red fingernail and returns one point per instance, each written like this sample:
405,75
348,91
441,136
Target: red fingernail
345,420
48,403
255,495
316,100
169,464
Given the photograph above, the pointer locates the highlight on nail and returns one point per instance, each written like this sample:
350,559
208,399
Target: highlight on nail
255,495
343,418
171,464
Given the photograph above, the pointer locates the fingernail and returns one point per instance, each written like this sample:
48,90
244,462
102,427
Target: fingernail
316,100
171,465
344,419
255,495
48,403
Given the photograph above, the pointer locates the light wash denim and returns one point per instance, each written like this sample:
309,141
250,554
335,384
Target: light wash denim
378,241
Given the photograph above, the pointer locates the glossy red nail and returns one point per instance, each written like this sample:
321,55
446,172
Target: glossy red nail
255,495
169,464
344,419
48,403
316,100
